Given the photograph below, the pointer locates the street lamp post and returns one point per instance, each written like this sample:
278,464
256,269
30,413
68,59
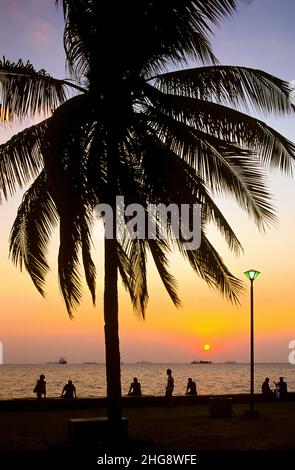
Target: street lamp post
252,274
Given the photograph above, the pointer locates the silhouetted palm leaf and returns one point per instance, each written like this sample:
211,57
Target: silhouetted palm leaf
126,271
231,126
32,230
138,264
86,225
25,92
240,87
175,30
209,266
21,159
68,262
224,167
158,250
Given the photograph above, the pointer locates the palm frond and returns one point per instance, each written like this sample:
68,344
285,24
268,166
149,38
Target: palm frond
25,92
214,10
76,51
194,189
164,176
223,167
212,213
80,36
158,248
229,125
240,87
132,268
21,159
208,264
65,151
138,266
176,30
68,262
189,179
89,266
36,218
160,164
75,226
125,270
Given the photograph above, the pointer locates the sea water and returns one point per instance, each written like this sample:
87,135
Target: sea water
18,381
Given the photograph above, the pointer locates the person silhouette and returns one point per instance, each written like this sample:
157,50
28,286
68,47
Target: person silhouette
266,390
191,388
135,388
69,390
282,388
40,387
169,387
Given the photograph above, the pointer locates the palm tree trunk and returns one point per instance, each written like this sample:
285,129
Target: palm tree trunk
111,313
111,329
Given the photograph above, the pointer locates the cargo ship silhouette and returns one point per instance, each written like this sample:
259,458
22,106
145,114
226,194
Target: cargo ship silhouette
61,360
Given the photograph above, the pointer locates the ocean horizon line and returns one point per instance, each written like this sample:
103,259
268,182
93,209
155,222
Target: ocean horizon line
139,363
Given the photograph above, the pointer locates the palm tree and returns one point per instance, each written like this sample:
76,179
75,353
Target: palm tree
123,125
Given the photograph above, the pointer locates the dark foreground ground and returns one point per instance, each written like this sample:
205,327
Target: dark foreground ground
39,438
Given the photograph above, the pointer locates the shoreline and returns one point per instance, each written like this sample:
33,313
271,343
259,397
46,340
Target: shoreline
51,403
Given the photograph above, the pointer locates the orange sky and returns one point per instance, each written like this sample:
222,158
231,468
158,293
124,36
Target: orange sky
36,330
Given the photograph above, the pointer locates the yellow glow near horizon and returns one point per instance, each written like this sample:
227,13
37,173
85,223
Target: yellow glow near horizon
207,347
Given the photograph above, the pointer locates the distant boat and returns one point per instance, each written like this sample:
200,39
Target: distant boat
230,362
201,362
62,360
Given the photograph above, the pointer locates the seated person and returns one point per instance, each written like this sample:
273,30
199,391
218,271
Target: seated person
191,388
266,390
282,386
135,388
69,390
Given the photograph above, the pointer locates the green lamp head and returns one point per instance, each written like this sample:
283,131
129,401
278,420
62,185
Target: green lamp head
252,274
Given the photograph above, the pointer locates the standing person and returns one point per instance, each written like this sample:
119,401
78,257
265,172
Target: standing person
169,387
135,388
40,387
266,390
69,390
283,389
191,388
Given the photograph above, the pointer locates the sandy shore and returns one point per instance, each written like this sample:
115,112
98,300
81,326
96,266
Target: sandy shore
189,428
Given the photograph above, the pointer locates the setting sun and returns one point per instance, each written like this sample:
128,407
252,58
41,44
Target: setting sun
206,347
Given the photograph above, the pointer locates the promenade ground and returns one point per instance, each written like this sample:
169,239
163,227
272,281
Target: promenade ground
32,437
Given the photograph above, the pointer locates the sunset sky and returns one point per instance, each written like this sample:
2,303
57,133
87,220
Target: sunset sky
260,35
